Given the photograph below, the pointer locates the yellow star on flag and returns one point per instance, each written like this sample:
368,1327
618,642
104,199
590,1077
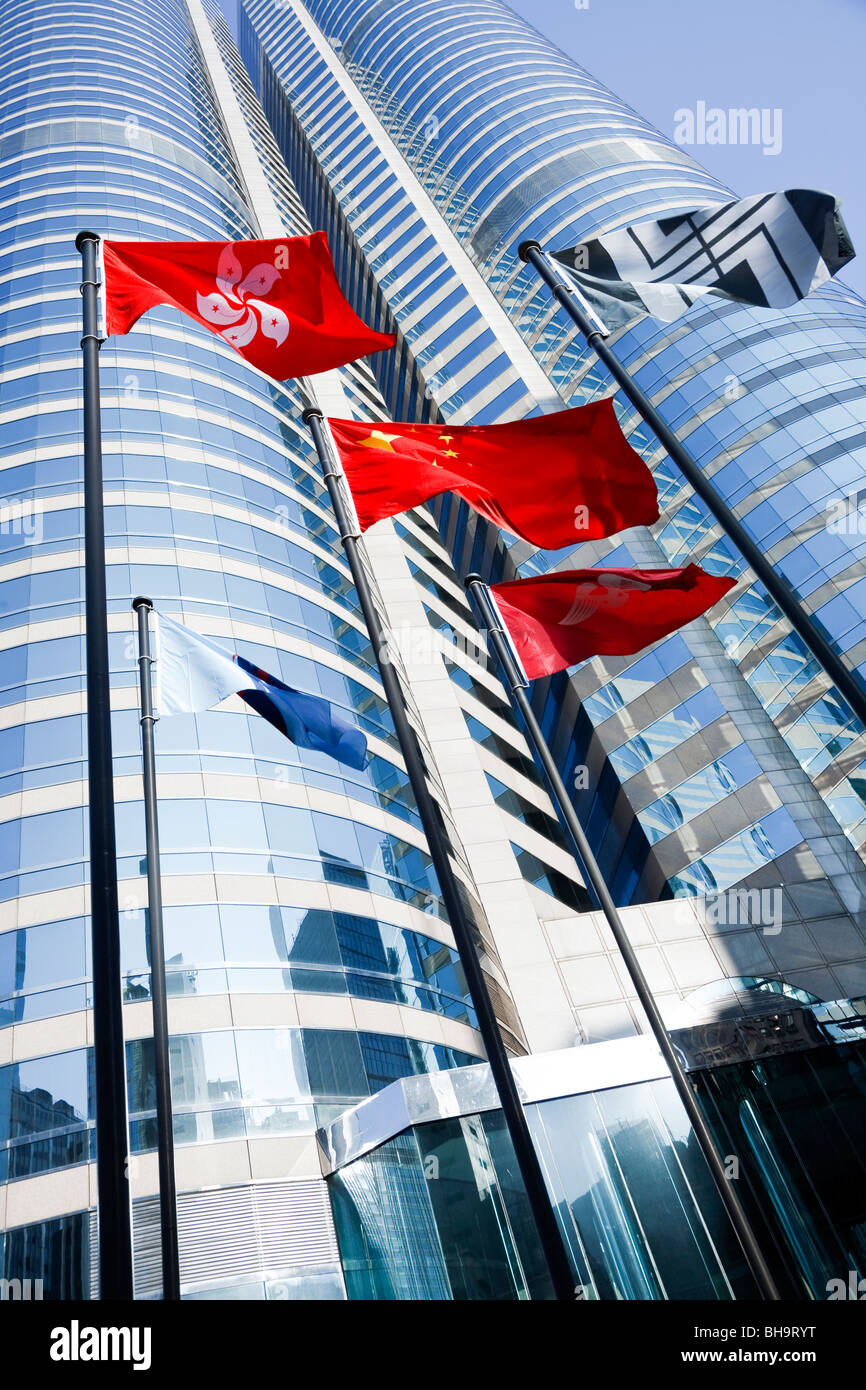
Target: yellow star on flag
379,440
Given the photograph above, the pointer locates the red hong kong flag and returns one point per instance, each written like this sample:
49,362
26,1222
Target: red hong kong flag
559,619
554,479
277,302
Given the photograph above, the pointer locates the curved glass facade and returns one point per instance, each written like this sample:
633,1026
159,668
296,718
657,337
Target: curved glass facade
310,959
492,135
638,1211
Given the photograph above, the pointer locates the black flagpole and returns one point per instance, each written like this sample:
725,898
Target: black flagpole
112,1134
587,862
156,945
465,931
846,682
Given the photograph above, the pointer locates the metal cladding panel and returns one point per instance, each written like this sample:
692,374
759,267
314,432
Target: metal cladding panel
232,1233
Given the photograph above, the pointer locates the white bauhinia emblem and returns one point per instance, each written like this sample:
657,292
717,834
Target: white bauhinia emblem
589,593
234,306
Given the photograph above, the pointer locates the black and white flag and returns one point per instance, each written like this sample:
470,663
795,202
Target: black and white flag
768,250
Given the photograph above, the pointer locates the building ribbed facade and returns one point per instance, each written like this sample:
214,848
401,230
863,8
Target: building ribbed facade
436,138
310,960
311,965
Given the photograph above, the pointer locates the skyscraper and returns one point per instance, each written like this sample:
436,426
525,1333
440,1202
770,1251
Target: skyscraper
431,142
720,765
310,963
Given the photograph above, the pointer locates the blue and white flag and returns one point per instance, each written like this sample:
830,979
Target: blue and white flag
769,250
194,673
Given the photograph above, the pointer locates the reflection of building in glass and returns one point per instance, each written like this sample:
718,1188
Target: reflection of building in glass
632,1192
37,1110
310,963
431,148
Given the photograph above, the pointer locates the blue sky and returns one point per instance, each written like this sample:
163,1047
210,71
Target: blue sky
230,10
802,57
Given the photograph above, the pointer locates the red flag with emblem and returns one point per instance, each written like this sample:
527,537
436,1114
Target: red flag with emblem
277,302
554,479
562,618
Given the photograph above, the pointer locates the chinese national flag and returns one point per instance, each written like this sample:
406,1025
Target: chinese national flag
562,618
554,480
277,302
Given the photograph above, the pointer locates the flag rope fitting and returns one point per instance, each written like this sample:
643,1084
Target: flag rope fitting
601,328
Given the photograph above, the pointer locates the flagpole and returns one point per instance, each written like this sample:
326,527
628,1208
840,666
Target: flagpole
112,1133
517,686
782,594
465,930
156,944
